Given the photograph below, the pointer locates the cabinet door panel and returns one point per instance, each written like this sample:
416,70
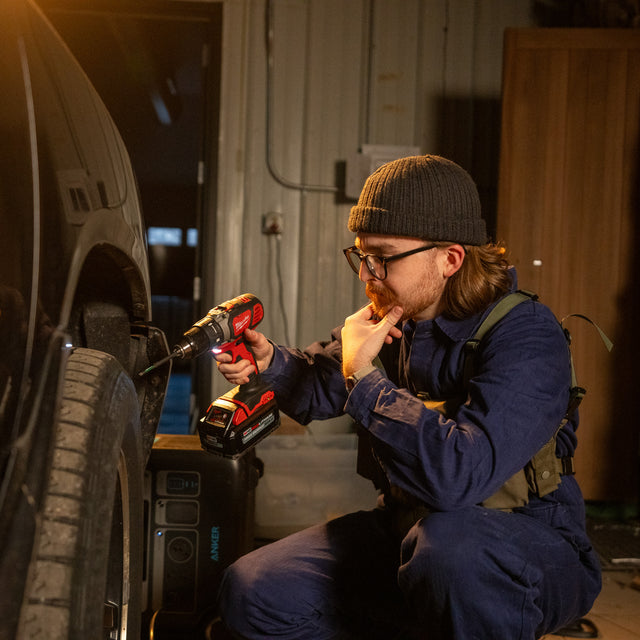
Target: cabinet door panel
568,211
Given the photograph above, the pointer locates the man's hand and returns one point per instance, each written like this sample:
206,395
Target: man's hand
239,372
363,336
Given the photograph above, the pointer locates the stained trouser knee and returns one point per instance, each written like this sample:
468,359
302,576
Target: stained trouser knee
327,582
231,594
265,595
249,601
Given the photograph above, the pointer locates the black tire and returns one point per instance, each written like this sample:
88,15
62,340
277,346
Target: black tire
86,566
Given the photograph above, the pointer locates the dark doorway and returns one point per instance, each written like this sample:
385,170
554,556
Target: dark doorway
156,65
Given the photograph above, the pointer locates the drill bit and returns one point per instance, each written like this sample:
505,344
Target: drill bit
155,365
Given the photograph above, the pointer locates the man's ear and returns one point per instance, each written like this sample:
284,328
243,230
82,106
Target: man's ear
454,257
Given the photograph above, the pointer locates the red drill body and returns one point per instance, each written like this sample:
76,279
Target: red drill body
222,329
242,417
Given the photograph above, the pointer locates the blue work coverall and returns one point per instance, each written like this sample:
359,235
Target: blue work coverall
460,571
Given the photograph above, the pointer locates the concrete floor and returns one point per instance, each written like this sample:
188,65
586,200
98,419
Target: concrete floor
616,612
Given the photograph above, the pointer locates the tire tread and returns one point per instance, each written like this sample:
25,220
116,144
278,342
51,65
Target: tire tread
47,609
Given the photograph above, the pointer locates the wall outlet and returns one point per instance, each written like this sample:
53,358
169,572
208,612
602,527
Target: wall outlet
272,223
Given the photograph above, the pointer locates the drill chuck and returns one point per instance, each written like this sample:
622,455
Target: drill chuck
199,339
223,325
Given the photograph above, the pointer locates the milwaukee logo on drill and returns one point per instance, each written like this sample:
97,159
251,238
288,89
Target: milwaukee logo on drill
241,323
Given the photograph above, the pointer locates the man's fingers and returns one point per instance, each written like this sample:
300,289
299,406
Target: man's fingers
363,314
393,316
234,369
388,323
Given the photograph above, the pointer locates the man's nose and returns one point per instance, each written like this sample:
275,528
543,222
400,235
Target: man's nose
364,274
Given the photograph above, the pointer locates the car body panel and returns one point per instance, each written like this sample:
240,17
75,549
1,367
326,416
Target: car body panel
73,266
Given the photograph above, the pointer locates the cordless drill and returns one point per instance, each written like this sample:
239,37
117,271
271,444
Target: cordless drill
243,416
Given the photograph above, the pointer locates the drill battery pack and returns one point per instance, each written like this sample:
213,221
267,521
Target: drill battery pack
238,420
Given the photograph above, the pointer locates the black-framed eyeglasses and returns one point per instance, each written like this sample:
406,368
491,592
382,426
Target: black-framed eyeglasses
377,265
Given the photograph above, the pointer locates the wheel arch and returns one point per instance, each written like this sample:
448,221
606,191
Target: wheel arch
110,311
109,295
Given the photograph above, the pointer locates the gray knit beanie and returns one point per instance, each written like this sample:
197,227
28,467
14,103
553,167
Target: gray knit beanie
421,197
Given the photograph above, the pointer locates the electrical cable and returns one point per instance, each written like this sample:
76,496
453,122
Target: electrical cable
283,310
269,143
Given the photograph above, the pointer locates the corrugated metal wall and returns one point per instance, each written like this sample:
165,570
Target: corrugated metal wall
339,74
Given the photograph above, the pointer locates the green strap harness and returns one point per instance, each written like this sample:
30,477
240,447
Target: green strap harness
542,474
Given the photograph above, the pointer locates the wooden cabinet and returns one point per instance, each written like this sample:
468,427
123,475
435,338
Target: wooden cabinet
569,213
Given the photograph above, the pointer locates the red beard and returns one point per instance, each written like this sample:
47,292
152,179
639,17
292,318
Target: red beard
381,299
414,302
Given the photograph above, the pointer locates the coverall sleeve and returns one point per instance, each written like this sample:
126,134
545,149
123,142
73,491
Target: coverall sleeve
517,397
309,384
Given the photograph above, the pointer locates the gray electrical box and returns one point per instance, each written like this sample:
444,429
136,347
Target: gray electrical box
361,165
